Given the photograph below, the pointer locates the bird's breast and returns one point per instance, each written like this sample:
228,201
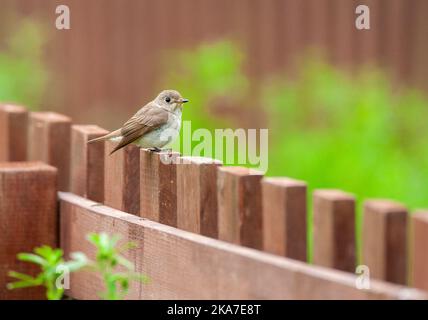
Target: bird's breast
163,135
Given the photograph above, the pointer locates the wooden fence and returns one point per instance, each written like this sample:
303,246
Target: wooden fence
203,230
111,57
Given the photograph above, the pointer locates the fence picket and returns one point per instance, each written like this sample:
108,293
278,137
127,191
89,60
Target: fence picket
122,178
385,240
13,133
87,162
284,217
49,141
419,242
196,195
239,206
28,216
158,186
334,229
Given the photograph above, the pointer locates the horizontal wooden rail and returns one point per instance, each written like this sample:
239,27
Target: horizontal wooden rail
184,265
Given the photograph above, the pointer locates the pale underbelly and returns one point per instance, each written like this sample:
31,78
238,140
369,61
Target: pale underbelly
159,138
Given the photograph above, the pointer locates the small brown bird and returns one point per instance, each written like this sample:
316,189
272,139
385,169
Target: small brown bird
153,126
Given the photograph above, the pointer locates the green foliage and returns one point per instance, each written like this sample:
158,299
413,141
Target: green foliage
354,133
330,128
108,259
52,267
23,77
333,129
210,74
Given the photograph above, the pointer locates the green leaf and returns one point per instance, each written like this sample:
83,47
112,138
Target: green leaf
44,251
22,284
94,238
29,257
21,276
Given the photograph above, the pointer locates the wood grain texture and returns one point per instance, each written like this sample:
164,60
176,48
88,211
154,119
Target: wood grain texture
385,240
334,230
13,132
28,218
284,217
184,265
158,186
197,195
239,206
49,141
122,177
87,162
419,243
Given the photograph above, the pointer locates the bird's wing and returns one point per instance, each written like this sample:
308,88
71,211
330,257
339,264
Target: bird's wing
148,118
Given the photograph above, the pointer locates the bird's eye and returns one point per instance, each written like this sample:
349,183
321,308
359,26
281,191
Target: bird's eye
168,99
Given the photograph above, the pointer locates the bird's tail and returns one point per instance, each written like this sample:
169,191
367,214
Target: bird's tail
113,134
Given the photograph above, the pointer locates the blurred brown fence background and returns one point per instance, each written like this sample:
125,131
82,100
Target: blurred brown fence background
110,57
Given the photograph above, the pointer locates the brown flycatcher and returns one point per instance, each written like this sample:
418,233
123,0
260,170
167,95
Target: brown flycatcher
153,126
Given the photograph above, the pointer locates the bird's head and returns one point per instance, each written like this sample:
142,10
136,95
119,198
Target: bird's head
170,99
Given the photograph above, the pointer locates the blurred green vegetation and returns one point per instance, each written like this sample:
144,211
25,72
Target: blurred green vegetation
211,72
23,76
354,133
330,128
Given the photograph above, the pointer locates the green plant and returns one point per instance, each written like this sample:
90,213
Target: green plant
353,132
108,259
53,269
209,74
23,75
332,128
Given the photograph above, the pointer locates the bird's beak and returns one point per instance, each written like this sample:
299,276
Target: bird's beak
184,100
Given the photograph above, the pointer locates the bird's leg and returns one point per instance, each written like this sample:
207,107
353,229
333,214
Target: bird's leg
154,149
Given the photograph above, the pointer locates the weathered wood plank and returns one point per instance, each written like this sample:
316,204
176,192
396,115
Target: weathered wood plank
122,178
385,240
239,206
28,218
197,195
334,230
184,265
419,252
49,141
87,162
158,186
13,133
284,217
